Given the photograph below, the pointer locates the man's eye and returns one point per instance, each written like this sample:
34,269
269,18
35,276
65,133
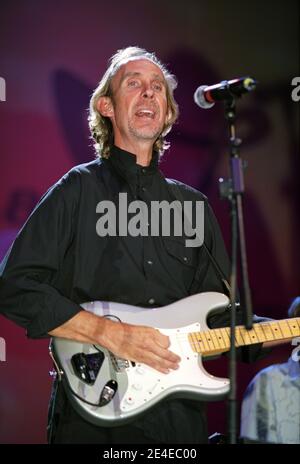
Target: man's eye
133,83
157,87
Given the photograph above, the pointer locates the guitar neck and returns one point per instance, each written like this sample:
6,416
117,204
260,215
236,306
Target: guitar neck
215,341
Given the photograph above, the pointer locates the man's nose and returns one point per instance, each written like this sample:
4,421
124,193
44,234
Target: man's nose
148,91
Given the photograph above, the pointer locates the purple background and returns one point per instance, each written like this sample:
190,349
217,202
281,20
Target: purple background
52,54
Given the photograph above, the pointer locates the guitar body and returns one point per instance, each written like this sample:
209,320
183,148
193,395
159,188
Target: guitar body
139,387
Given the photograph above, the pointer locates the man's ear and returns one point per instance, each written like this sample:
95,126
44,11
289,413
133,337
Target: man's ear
105,107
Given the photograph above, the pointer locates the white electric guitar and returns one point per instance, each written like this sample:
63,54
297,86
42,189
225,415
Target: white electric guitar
110,391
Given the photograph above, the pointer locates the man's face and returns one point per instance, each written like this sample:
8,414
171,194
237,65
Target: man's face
139,103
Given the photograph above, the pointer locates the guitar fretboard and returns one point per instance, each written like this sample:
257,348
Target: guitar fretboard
214,341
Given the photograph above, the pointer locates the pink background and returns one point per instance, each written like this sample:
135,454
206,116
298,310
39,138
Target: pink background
52,54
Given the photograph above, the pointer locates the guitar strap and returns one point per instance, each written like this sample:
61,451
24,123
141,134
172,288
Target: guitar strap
176,192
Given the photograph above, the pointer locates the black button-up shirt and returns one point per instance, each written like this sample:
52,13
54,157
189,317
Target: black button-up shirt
59,261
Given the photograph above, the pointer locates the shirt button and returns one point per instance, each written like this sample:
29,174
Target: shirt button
185,259
143,189
144,170
151,301
149,262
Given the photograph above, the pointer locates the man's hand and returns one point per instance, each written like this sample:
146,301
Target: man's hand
135,343
140,344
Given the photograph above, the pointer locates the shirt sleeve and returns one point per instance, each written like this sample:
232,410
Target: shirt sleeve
29,293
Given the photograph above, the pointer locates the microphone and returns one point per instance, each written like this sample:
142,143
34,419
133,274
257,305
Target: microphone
206,96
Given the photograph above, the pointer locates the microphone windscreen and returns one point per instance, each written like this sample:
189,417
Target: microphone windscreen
199,98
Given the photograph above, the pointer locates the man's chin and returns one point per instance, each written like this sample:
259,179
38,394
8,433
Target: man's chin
146,133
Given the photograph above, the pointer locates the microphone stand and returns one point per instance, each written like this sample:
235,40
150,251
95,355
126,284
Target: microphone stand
233,189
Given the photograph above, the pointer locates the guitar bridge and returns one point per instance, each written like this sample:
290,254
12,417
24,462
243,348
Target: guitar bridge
119,364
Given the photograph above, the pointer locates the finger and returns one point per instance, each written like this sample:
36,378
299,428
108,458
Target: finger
157,363
166,355
161,350
165,343
162,340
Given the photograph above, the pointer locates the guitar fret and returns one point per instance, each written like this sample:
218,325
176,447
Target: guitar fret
227,340
276,334
242,336
204,348
196,344
192,341
238,337
291,327
220,338
208,340
251,334
266,330
246,336
279,326
201,342
285,329
259,332
215,339
294,326
235,337
253,337
204,342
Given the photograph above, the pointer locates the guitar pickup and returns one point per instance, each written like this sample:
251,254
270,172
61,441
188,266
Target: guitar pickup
87,366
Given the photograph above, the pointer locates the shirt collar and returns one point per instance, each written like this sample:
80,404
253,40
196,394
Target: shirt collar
125,164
